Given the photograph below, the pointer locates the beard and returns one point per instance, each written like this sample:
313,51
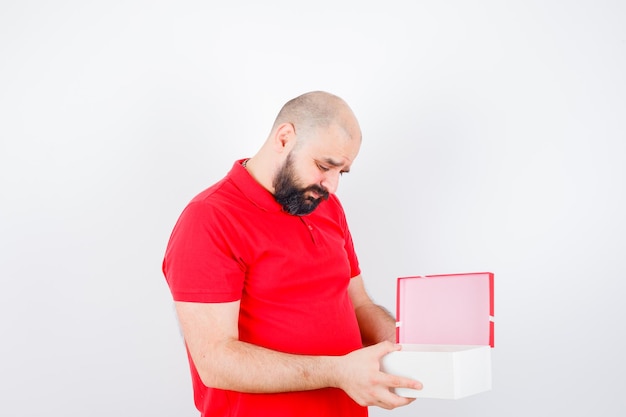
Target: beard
295,199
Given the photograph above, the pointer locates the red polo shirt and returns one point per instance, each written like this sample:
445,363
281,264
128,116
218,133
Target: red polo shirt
291,273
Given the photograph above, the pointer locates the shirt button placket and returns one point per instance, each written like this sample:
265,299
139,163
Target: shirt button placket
310,227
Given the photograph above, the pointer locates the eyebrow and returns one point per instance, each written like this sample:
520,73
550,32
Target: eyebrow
335,164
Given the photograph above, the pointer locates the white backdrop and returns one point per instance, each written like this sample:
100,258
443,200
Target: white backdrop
494,140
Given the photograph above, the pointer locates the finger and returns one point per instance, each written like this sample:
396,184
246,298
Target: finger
394,381
389,400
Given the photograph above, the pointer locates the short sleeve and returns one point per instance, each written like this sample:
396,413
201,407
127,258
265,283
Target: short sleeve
199,264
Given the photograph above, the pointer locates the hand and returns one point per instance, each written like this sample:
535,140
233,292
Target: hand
360,377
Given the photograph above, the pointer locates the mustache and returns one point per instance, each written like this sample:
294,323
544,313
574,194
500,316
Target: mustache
319,190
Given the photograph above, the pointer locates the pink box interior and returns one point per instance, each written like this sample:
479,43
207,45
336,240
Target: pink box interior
453,309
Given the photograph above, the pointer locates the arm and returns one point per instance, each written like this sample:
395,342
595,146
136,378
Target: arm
223,361
375,322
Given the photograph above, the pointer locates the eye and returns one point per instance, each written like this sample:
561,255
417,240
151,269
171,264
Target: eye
323,168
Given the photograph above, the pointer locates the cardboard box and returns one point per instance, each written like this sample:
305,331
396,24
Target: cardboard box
446,371
445,325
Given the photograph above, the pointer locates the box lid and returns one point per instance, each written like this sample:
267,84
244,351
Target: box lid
451,309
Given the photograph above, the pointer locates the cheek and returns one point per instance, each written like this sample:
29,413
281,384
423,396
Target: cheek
310,176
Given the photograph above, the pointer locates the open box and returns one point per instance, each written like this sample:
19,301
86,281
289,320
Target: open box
445,326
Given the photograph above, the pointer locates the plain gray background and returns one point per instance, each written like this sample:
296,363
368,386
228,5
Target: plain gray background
494,140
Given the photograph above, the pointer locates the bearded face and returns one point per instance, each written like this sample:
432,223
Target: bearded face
295,199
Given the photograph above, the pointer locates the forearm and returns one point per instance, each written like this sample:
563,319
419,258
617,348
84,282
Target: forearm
225,362
243,367
248,368
376,324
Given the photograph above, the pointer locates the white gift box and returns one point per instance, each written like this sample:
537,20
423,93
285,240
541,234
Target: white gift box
445,371
445,326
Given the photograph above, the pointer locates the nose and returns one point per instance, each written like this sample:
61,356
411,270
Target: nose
331,181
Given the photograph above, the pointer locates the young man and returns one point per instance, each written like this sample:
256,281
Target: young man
267,285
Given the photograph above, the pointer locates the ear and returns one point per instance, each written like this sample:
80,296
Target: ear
284,137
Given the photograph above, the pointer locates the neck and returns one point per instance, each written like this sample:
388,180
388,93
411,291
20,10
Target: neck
260,171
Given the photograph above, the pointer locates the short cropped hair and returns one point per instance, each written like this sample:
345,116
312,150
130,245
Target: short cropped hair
311,111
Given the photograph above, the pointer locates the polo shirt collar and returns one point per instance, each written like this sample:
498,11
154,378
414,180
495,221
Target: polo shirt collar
253,191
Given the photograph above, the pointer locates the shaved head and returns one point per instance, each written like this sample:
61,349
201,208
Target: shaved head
317,110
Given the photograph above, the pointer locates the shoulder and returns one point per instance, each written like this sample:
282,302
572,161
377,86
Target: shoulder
215,194
335,205
219,196
209,209
335,199
331,210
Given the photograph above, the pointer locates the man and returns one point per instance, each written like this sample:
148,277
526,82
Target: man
267,286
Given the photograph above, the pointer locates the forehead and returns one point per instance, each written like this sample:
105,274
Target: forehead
333,144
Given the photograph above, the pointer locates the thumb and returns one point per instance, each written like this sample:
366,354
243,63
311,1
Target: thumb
386,347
